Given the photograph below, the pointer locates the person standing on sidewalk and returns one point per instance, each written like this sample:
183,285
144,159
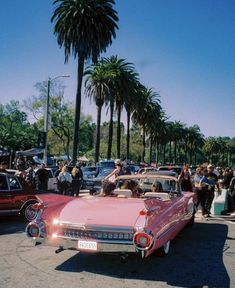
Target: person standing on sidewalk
185,179
199,188
65,179
42,176
212,182
77,176
231,195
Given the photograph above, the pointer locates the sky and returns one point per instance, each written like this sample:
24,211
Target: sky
184,50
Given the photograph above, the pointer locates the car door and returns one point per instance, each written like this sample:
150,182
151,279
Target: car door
18,196
176,210
5,194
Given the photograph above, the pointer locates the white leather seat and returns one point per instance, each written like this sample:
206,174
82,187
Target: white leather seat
124,192
161,195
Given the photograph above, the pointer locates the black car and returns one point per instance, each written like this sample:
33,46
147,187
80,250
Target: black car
89,171
95,184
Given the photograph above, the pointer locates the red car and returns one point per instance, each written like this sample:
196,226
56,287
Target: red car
16,197
120,224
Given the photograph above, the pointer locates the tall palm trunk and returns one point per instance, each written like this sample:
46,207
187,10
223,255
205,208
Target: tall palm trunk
97,146
119,132
128,135
150,150
175,149
164,154
110,141
157,153
170,156
143,143
77,108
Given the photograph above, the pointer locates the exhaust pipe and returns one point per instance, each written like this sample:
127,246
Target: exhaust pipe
60,249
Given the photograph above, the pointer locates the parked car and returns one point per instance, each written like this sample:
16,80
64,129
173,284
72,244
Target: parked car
95,184
164,172
120,224
52,180
134,168
11,171
16,197
144,170
176,168
89,171
107,164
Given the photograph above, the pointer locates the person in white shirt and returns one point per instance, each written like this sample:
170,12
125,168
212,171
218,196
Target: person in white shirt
64,180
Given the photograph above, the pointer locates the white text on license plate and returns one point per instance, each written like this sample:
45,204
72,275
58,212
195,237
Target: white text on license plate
87,245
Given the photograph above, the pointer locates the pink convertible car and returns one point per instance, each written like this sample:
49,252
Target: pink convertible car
120,224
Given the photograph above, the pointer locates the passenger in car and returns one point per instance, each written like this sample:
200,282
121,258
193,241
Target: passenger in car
108,189
3,183
3,167
133,186
157,187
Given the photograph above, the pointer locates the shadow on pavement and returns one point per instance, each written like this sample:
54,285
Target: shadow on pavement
195,260
12,224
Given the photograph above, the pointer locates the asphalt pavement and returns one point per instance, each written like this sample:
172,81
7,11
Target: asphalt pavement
201,256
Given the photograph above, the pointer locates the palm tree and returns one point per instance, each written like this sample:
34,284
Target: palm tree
123,74
125,77
131,103
97,87
148,108
84,29
177,132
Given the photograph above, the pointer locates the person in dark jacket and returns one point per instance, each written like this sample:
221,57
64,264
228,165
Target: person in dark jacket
77,176
42,176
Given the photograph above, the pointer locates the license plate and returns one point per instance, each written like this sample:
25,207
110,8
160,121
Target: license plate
87,245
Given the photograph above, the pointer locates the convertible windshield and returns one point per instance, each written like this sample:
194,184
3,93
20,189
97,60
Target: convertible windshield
153,184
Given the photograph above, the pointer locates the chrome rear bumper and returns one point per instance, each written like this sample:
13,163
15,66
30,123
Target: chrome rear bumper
72,244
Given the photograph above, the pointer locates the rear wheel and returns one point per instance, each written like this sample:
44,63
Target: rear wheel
164,250
192,220
28,212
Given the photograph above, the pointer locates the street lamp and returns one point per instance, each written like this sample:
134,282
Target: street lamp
46,116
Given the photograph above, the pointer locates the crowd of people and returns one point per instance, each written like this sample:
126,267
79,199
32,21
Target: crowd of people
206,180
69,179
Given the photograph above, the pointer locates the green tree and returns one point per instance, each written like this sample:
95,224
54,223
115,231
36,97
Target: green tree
15,130
147,109
98,77
61,115
119,85
84,29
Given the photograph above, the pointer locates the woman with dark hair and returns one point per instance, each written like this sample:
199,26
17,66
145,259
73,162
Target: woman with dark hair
77,176
185,179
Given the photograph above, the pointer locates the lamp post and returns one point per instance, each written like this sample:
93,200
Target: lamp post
46,116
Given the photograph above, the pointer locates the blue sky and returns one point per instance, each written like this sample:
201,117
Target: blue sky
185,50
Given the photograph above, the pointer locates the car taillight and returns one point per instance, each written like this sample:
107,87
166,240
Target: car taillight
32,230
38,206
143,240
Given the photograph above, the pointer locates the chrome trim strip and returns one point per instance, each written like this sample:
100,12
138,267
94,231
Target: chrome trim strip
9,211
79,226
165,231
